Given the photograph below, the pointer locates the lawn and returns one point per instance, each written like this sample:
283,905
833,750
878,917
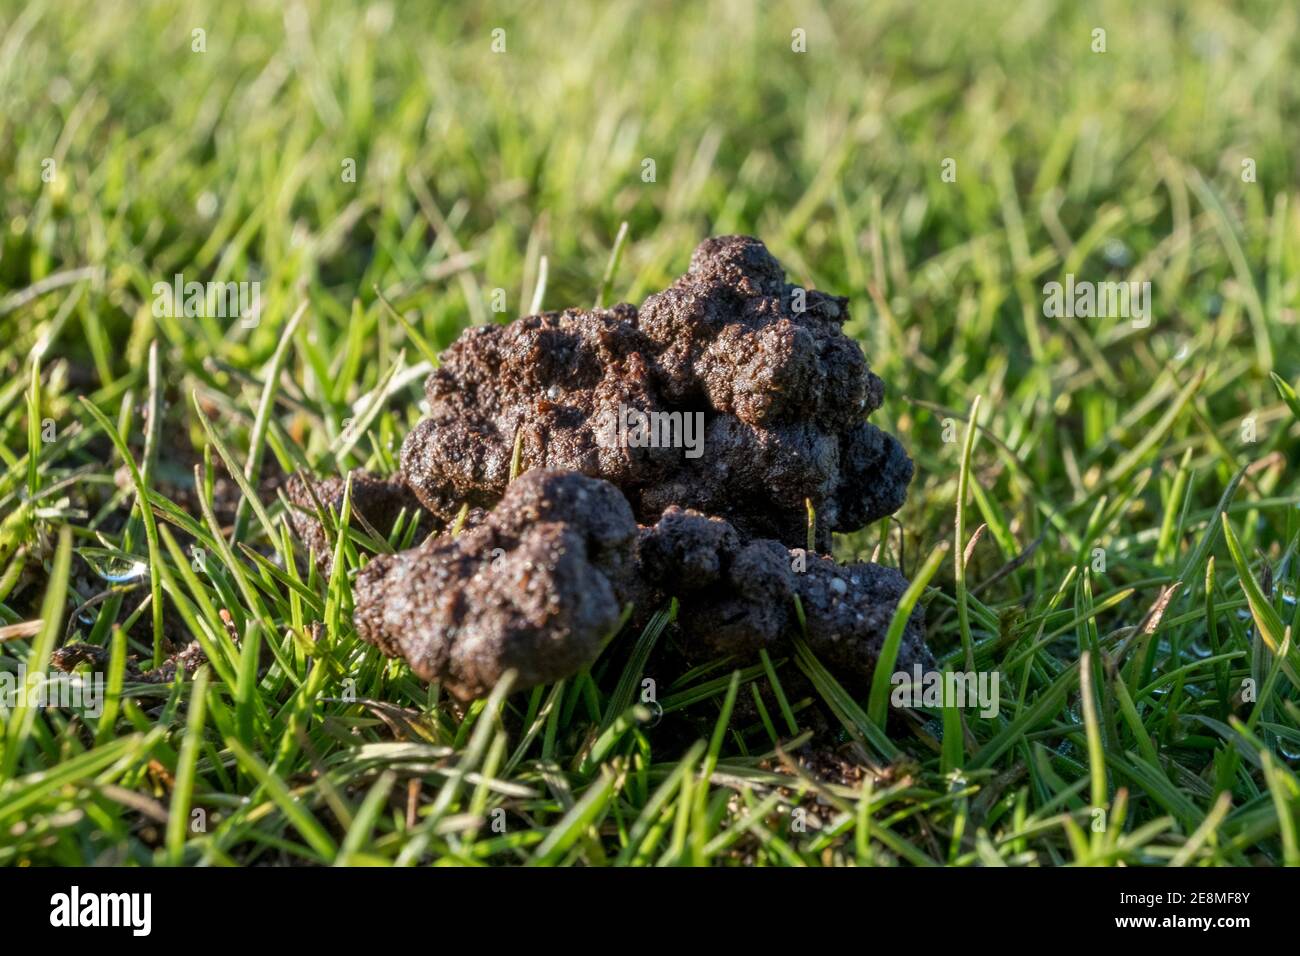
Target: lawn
1108,504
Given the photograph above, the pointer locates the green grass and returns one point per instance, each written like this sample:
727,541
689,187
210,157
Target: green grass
1134,555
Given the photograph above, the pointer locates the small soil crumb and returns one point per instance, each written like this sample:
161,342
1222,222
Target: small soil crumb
376,501
188,659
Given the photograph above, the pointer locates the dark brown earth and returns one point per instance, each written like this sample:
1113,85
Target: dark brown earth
537,587
541,582
738,597
189,659
539,576
376,501
783,393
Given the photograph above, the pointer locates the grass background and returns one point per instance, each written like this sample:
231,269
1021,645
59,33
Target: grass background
1122,736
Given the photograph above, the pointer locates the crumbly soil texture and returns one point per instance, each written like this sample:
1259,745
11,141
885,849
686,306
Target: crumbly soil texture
535,575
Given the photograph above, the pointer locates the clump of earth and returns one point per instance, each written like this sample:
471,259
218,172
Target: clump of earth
676,450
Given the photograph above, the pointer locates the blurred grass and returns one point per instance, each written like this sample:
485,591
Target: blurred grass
479,171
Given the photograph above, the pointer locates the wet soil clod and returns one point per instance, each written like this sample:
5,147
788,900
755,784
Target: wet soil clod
541,574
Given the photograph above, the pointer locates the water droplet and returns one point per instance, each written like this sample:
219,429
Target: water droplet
1116,254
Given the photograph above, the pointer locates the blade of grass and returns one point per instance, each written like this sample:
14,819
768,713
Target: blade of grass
878,702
